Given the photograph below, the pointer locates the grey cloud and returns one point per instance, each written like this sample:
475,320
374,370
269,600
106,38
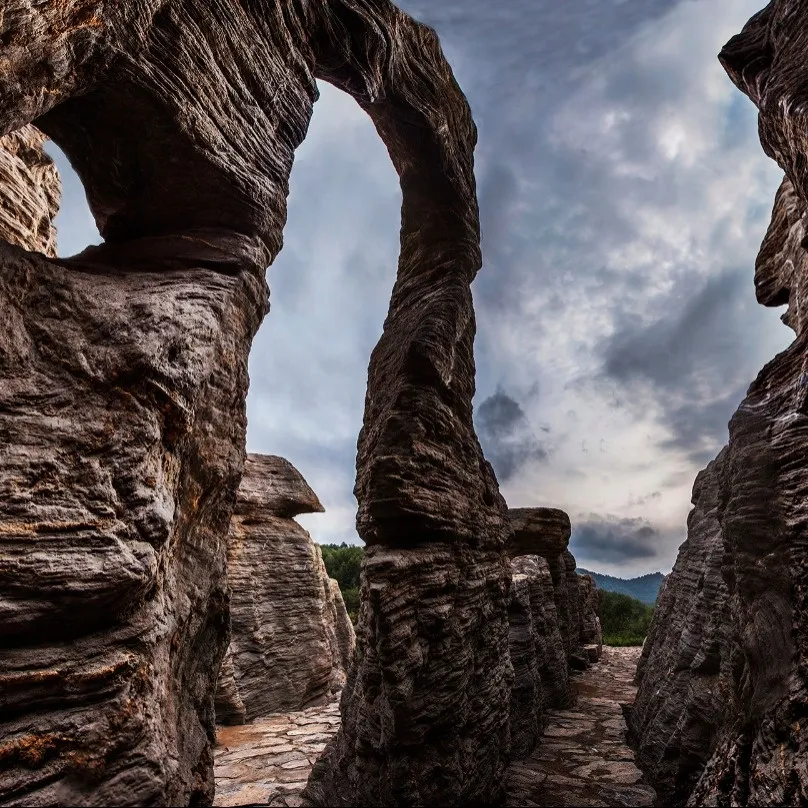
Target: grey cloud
561,199
613,540
506,435
693,362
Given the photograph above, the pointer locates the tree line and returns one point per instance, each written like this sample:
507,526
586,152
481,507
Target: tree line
624,620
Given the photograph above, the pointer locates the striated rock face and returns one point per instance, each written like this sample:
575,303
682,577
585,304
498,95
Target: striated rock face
29,192
123,424
538,531
538,655
553,621
546,532
291,639
685,671
591,634
734,609
122,404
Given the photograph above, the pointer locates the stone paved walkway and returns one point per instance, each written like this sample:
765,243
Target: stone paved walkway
584,759
270,756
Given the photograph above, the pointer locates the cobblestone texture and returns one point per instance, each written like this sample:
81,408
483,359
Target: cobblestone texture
583,760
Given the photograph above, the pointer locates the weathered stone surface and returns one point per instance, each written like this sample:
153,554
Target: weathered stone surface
230,708
584,758
291,639
546,532
29,192
156,358
538,655
538,531
401,691
269,760
751,518
685,672
591,634
122,422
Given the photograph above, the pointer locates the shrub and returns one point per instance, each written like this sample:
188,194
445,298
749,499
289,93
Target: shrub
624,620
343,562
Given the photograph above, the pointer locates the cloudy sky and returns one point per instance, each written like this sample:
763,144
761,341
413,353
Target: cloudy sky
623,197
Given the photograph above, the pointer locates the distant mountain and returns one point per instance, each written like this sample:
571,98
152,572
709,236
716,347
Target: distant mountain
644,588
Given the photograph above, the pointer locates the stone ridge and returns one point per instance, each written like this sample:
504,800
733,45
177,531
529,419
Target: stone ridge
728,649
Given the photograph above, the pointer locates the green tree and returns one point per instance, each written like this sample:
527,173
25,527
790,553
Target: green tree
343,562
624,620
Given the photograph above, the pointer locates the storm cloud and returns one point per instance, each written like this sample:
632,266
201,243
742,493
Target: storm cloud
614,540
623,195
506,435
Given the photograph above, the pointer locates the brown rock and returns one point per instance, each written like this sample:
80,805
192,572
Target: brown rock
538,656
291,638
591,634
733,613
157,360
29,192
684,674
538,531
123,424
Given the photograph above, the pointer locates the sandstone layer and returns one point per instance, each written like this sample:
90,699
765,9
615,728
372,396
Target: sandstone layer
291,639
122,404
29,192
729,645
552,620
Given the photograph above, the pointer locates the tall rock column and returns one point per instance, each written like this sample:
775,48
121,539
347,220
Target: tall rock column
729,726
291,640
425,711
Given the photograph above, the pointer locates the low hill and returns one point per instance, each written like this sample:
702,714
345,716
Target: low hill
645,588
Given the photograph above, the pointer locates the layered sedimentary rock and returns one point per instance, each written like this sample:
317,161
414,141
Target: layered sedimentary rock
553,621
546,532
685,670
538,531
29,192
122,404
750,521
591,635
291,639
538,654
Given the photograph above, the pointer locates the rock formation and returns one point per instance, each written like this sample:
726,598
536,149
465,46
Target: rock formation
124,374
29,192
291,639
546,532
723,684
553,621
591,635
539,658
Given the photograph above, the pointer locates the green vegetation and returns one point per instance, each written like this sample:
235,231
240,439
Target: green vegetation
623,620
644,588
343,563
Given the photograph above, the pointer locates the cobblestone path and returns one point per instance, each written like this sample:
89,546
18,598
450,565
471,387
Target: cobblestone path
584,759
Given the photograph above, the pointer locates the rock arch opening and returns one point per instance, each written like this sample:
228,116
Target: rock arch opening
136,395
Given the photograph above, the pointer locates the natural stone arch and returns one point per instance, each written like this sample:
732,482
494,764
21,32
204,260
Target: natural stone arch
181,118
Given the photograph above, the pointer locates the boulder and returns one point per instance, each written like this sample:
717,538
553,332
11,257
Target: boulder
538,531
